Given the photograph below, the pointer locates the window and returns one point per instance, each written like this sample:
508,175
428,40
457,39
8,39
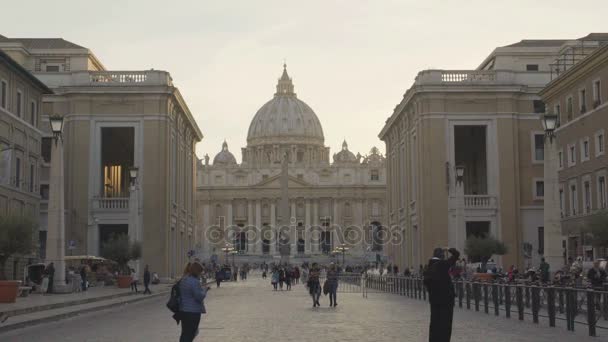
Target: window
18,173
541,240
539,147
3,94
597,94
573,199
375,176
601,192
599,143
52,68
539,189
264,177
531,67
32,178
33,114
584,149
44,192
558,112
560,159
46,149
19,109
569,108
561,202
539,106
582,100
571,155
587,196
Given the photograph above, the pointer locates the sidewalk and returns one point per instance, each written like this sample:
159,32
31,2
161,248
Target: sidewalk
39,308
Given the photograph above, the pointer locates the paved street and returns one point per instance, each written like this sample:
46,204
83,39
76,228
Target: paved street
252,312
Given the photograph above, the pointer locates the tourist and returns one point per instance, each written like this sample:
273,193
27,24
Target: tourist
288,278
83,277
134,280
147,280
407,272
332,281
441,294
544,271
50,272
219,275
192,303
296,274
274,278
596,276
304,275
314,286
281,278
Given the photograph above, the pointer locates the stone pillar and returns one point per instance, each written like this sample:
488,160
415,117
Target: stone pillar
315,223
551,215
205,245
358,220
250,224
228,226
335,221
55,245
307,235
293,223
273,227
258,227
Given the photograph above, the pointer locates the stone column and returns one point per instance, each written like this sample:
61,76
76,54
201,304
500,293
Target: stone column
55,250
307,235
551,215
335,221
250,224
273,227
258,227
315,223
293,223
358,220
228,219
205,245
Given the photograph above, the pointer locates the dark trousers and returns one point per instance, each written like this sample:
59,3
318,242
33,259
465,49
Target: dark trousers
218,282
50,288
189,322
333,296
134,286
441,322
147,288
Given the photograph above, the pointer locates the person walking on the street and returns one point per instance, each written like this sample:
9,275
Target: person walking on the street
332,280
314,285
544,271
134,280
218,276
288,278
147,280
192,303
441,294
281,278
274,278
83,278
296,274
50,271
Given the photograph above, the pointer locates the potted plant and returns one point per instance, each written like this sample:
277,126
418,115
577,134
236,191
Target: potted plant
16,237
481,249
120,249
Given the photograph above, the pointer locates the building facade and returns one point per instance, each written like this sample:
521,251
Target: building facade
115,120
485,122
20,138
325,201
578,96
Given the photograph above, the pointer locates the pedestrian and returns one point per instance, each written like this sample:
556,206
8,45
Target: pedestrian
332,281
264,274
134,280
314,286
50,271
281,278
296,274
441,294
147,280
544,271
83,278
288,279
274,278
219,275
596,276
396,270
192,303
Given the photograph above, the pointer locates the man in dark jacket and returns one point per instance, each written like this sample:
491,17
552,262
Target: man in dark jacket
147,280
596,276
441,294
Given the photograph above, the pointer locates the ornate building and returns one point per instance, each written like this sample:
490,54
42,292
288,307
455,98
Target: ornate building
323,200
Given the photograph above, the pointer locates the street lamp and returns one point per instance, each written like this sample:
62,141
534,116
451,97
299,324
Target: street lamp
549,122
342,249
56,122
459,173
133,174
227,249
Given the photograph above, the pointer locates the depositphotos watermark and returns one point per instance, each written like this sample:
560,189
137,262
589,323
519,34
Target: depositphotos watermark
350,235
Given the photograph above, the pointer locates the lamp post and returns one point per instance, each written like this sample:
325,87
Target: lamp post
56,208
342,249
553,252
227,249
134,226
457,238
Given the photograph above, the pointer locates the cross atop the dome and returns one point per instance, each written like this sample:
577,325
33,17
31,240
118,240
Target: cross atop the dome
285,85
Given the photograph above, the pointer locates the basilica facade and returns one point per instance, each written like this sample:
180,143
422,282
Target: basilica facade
288,198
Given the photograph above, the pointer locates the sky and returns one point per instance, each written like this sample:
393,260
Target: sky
350,60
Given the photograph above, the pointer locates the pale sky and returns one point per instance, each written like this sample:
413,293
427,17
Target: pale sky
350,60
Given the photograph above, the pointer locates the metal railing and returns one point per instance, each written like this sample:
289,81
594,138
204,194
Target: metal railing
571,305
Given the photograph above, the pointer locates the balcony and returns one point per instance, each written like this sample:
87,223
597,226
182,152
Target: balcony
107,78
480,77
479,202
111,203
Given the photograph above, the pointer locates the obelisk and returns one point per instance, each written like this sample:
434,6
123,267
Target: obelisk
284,212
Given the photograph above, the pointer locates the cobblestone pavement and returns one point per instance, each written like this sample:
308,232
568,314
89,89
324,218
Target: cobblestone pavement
251,311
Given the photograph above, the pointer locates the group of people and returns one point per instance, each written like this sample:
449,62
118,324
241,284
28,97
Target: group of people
283,275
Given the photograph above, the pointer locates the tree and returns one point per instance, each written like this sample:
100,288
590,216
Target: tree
482,248
597,230
121,249
16,237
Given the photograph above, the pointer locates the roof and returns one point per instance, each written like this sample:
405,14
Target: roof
4,58
538,43
595,37
42,43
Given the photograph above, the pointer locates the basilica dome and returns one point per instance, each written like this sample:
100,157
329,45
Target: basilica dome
345,156
224,157
285,118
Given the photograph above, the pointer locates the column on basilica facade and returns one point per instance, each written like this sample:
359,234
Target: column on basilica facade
335,223
358,222
228,215
315,223
258,227
307,235
293,236
205,247
273,227
250,224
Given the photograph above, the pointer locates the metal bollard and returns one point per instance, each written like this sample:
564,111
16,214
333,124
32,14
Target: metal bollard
570,308
527,297
561,301
507,292
591,312
468,295
551,305
460,293
476,295
520,302
495,299
535,303
485,298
